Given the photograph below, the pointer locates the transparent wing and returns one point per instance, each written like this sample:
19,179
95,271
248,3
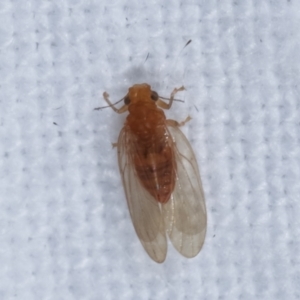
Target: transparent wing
145,212
185,212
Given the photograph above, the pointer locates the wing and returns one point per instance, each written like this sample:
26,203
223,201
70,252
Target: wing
145,212
185,212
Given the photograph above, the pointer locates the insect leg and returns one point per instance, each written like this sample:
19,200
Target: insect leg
165,105
174,123
117,110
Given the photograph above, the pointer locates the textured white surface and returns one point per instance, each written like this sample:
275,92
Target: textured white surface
65,231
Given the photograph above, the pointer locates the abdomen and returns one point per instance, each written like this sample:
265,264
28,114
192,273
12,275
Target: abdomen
156,171
152,152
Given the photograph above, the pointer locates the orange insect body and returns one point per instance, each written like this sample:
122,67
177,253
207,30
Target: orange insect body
153,155
160,176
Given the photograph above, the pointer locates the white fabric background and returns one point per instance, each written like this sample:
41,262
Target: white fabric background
65,231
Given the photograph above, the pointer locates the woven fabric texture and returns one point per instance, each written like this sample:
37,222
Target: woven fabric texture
65,230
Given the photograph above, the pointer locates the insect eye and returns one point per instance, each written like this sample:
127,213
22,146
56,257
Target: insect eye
154,96
127,100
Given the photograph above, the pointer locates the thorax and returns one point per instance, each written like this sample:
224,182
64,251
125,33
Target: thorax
147,123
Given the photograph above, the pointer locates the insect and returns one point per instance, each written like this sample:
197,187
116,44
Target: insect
160,175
